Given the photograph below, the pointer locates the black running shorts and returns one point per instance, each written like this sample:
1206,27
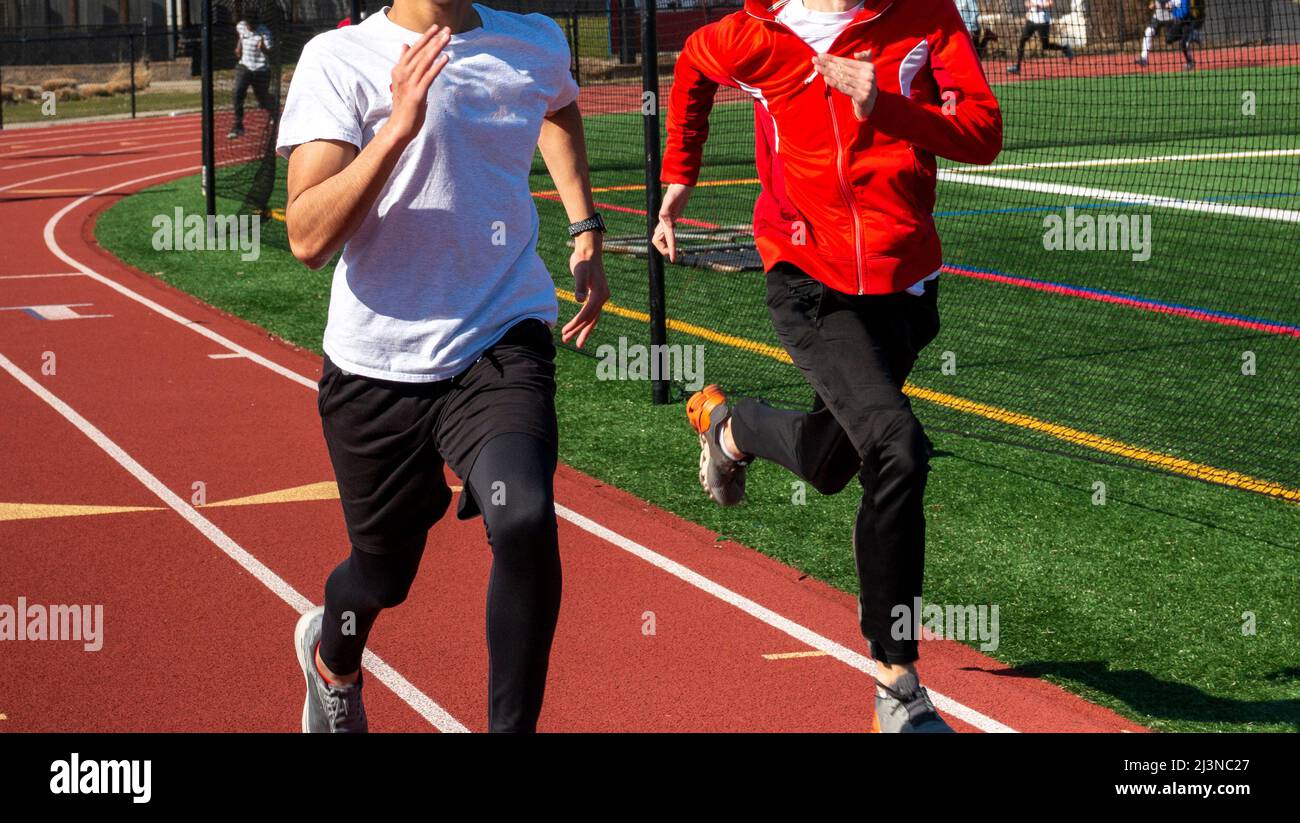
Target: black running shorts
388,441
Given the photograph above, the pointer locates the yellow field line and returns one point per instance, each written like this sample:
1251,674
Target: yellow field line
1169,463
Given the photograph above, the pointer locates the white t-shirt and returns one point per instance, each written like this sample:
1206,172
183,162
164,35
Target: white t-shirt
446,262
819,30
250,54
816,28
1038,13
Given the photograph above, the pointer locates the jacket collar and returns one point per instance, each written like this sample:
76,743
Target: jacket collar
767,9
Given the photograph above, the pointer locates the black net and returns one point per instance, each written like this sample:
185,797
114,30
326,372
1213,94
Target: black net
1120,284
247,96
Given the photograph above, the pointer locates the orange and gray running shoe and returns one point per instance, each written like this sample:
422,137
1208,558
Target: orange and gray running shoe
722,477
905,708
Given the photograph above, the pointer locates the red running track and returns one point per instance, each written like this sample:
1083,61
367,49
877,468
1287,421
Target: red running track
154,392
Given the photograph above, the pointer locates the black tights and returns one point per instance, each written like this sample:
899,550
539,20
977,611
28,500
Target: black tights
512,482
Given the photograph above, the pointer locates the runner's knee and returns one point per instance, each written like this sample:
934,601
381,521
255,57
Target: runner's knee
903,450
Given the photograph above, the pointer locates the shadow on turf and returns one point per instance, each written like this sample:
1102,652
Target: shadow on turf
1165,699
942,453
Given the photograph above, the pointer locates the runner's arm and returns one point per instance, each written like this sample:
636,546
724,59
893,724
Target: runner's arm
564,151
332,187
699,70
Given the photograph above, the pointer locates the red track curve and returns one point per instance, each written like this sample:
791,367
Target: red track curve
180,615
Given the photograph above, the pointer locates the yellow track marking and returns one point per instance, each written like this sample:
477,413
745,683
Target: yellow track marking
41,511
1166,462
326,490
794,655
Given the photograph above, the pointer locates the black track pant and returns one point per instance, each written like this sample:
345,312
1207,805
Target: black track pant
260,82
856,351
1027,34
511,482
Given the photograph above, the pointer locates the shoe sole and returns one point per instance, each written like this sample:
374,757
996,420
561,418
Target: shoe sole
698,411
704,468
299,632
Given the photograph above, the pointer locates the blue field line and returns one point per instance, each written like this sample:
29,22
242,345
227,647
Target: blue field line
1152,303
1108,204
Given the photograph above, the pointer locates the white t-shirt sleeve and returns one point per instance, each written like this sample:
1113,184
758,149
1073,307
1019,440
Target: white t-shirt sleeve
566,88
320,104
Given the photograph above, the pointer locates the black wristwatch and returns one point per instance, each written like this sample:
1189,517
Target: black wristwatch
593,223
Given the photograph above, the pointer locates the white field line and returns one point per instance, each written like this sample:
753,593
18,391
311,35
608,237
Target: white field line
1135,198
1131,161
438,717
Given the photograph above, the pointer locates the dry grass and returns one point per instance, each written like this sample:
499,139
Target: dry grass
122,78
56,83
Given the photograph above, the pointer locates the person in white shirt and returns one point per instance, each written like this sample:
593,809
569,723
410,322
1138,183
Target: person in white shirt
253,44
970,15
410,139
1038,22
1179,21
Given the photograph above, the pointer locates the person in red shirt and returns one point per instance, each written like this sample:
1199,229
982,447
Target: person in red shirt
852,105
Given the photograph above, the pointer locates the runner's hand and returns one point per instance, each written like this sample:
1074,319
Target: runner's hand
590,289
856,78
412,76
672,208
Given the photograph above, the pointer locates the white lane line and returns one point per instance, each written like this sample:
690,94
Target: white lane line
197,328
97,168
799,632
49,134
39,276
1131,161
437,716
48,160
1155,200
811,638
68,141
227,355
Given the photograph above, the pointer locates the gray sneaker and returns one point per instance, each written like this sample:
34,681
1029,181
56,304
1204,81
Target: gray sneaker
328,708
906,708
723,479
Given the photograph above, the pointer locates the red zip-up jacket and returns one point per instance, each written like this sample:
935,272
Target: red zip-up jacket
850,202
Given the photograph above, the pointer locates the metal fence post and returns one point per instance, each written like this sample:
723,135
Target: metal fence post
654,260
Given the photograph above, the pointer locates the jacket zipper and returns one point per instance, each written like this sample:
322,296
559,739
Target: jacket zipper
846,191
